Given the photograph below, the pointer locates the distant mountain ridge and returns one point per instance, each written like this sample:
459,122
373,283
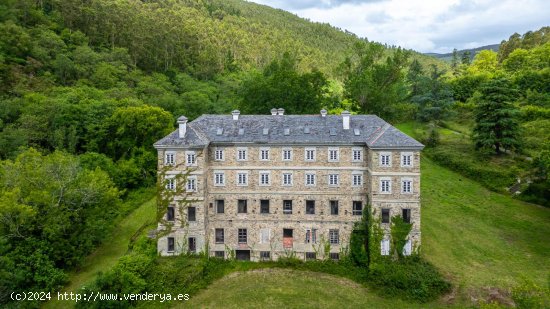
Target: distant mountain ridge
473,52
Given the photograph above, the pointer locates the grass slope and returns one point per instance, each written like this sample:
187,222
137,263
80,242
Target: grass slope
479,237
283,288
108,253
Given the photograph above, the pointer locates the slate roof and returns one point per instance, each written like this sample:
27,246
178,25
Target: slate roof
300,129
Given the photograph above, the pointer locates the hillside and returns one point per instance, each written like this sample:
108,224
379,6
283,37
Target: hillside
208,37
473,52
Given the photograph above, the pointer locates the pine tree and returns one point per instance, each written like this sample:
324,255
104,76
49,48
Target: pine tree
496,124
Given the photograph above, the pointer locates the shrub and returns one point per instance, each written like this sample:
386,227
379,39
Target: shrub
529,295
410,278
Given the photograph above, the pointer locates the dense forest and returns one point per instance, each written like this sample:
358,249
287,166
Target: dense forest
86,87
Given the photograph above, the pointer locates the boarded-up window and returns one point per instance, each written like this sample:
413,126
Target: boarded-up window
265,236
385,247
407,249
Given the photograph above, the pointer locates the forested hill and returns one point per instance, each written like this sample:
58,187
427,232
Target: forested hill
460,53
206,37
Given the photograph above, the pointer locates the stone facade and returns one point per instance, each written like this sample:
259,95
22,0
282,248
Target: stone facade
301,198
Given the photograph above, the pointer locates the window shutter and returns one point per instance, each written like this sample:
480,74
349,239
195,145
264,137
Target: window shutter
407,249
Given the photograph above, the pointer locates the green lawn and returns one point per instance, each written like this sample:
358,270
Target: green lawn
106,256
478,237
283,288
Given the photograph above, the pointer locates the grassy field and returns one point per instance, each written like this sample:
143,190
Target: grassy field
283,288
108,254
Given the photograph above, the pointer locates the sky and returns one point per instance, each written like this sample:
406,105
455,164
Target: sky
425,25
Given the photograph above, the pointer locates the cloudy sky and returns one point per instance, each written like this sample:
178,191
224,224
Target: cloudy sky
425,25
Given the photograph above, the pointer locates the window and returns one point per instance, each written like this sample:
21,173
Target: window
192,244
357,209
219,254
407,248
220,206
191,184
385,185
241,206
333,154
310,207
333,236
264,154
357,154
170,158
287,207
385,159
191,158
191,214
242,179
287,233
265,255
334,208
406,186
219,178
357,179
171,244
310,256
385,247
264,179
333,179
335,256
406,215
310,179
311,236
220,237
242,236
171,184
385,215
406,159
287,154
170,213
264,206
265,236
242,154
287,179
309,154
219,154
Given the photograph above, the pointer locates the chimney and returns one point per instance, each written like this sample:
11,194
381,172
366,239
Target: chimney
323,113
235,114
345,119
182,122
281,111
273,111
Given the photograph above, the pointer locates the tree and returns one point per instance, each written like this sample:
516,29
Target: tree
466,57
455,62
281,85
495,116
374,81
434,98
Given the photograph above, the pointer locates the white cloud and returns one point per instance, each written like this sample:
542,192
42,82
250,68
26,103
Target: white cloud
426,25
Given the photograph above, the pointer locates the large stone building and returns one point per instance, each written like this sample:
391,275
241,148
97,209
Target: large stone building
265,186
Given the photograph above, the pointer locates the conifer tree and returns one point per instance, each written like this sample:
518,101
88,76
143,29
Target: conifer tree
495,116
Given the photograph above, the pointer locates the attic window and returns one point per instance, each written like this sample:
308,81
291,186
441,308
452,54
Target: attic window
333,131
356,132
287,131
219,131
266,131
306,130
241,131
